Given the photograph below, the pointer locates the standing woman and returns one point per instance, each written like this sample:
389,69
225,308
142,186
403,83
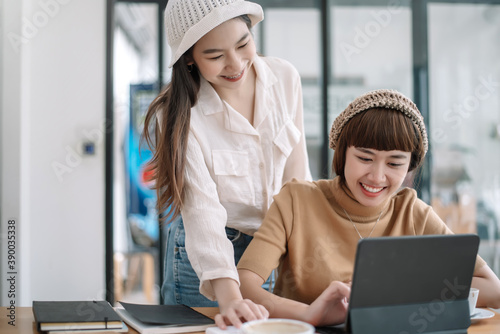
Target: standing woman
227,133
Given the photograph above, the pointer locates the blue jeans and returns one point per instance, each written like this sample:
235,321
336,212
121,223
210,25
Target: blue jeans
181,284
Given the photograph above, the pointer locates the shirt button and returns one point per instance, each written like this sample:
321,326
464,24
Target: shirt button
264,193
261,165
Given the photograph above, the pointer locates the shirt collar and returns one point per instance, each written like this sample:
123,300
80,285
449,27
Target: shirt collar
212,103
265,75
265,79
265,100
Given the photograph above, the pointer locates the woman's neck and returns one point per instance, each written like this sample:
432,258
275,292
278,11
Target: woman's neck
348,202
243,98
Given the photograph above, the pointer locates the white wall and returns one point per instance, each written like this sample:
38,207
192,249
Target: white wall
11,141
54,99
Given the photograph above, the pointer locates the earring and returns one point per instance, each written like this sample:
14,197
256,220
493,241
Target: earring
190,68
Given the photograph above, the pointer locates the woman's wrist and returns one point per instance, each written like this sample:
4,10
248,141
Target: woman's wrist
226,290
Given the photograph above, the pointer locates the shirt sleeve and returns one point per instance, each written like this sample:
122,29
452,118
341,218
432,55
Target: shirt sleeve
209,250
297,165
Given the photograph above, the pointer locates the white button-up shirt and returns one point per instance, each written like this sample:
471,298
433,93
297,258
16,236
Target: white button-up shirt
234,169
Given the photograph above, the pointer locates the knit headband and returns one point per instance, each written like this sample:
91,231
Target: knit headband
382,98
186,21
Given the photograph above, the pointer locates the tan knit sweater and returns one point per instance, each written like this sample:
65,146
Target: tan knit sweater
308,236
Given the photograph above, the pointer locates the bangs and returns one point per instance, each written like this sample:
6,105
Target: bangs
383,130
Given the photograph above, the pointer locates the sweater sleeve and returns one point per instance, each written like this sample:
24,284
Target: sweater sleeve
209,250
269,243
431,223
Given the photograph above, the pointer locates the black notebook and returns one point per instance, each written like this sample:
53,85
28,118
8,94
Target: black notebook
70,315
148,319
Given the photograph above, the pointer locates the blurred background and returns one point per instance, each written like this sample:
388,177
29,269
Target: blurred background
78,76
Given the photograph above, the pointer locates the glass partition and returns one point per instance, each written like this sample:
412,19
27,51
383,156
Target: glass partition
464,91
293,34
371,48
136,229
366,45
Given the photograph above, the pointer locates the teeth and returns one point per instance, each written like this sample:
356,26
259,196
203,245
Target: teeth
234,77
371,189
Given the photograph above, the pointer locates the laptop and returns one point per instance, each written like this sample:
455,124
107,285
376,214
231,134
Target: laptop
411,284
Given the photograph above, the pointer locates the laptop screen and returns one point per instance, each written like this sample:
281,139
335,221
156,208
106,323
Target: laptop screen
402,270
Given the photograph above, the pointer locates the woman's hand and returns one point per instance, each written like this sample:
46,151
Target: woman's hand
330,308
234,310
486,280
238,311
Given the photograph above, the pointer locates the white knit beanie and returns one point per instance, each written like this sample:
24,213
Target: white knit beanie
187,21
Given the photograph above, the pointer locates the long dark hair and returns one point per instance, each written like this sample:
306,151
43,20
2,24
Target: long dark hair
168,119
166,130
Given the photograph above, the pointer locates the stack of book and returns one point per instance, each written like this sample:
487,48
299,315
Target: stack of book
58,317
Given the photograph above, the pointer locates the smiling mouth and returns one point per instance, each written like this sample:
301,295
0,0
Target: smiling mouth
234,77
372,190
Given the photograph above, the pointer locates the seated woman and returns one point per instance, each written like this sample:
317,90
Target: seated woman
311,231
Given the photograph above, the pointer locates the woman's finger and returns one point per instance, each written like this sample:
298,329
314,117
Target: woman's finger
219,321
